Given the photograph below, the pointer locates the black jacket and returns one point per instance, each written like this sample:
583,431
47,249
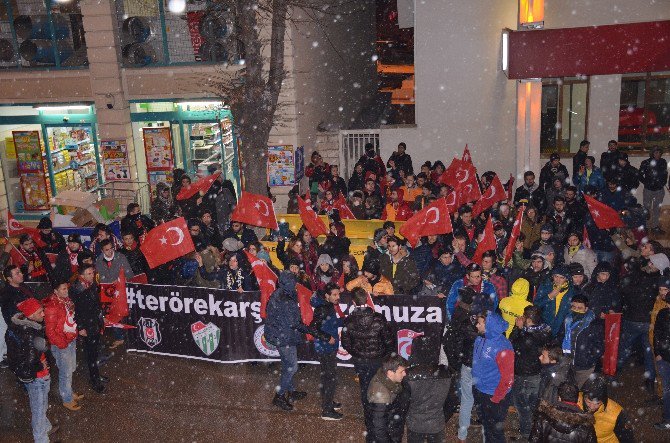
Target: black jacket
551,377
10,297
638,295
662,334
87,309
608,163
654,176
25,345
428,388
535,196
138,263
55,242
578,160
548,173
458,340
137,224
528,343
628,176
403,162
603,297
406,279
388,403
562,422
367,335
589,345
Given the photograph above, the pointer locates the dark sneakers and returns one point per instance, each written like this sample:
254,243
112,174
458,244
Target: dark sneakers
337,406
282,401
331,415
99,388
297,395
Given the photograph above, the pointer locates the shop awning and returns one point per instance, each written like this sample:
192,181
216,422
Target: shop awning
609,49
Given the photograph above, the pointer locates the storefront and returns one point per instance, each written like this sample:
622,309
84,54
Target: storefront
45,150
190,135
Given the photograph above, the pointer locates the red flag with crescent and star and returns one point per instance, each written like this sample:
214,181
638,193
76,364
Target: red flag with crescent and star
255,210
604,216
201,185
466,155
312,222
462,176
167,242
487,243
267,280
516,231
15,229
341,205
432,220
492,195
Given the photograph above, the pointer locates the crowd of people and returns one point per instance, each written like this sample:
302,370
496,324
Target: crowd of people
527,332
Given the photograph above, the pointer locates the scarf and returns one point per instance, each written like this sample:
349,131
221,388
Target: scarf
572,250
575,322
234,278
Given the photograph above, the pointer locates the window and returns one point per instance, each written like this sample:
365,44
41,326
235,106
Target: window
564,114
644,116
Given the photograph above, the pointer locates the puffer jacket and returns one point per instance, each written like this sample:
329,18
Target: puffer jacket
551,377
458,340
367,335
512,307
283,325
562,422
61,329
25,345
528,343
325,320
428,388
603,297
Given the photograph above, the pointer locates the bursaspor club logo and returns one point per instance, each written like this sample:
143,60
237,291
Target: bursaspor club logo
206,336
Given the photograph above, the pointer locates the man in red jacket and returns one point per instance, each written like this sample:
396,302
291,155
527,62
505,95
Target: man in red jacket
61,331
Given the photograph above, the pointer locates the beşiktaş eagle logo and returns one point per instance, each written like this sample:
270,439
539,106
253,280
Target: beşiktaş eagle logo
150,332
405,339
262,345
206,336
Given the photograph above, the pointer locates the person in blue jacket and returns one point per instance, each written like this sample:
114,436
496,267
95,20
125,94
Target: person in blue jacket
284,329
554,298
485,299
589,175
327,321
493,374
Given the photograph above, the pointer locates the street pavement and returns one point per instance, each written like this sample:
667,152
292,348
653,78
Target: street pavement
167,399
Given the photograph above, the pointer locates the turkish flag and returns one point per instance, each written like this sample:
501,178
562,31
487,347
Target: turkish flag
255,210
604,216
267,280
201,185
462,176
312,222
341,205
452,202
167,242
17,258
119,306
432,220
611,355
140,279
494,194
488,242
586,241
516,231
15,229
306,310
509,186
466,155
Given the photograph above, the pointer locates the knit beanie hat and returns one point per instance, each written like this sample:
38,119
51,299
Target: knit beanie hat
664,281
520,288
576,269
660,261
324,258
547,228
29,306
45,223
562,271
595,388
379,234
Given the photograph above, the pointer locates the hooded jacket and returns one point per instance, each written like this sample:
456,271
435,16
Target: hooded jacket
512,307
283,325
61,329
562,422
26,345
654,174
493,360
366,335
603,297
528,343
550,315
325,320
481,302
551,377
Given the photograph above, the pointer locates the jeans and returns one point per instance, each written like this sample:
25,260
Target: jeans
652,202
66,360
525,394
365,371
664,372
328,379
493,416
416,437
3,343
91,350
289,366
467,402
635,332
38,395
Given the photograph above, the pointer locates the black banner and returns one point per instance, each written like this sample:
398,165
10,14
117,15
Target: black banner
226,326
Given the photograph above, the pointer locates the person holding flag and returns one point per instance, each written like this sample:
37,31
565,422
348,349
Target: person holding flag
33,261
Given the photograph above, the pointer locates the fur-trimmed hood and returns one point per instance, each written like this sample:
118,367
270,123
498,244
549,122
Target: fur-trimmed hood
20,320
563,417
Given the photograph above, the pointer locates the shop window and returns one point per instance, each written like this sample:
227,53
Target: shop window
644,116
152,34
33,35
564,115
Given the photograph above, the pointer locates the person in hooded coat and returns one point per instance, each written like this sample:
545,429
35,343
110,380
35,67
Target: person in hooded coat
611,420
512,307
337,244
602,291
563,421
325,273
537,273
554,297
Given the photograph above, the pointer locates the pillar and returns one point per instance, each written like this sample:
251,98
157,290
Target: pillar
528,125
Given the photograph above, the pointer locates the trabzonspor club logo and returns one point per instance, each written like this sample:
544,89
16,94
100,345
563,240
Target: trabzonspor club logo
262,344
405,338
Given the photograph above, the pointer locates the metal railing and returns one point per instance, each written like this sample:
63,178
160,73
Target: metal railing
352,147
127,191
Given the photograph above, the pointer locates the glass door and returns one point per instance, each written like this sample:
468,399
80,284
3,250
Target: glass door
204,147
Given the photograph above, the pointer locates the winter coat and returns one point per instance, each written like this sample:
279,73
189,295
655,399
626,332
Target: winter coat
55,242
26,345
584,256
232,280
61,329
611,422
246,236
459,337
535,196
549,314
578,160
225,203
87,309
535,279
654,174
627,177
562,422
356,183
594,179
424,256
638,295
493,360
428,388
337,248
109,271
283,325
528,343
388,408
10,297
551,377
601,239
444,276
603,297
562,225
512,307
531,230
619,199
366,335
162,210
382,287
486,298
406,278
136,260
138,224
609,161
662,334
325,320
587,340
548,173
402,162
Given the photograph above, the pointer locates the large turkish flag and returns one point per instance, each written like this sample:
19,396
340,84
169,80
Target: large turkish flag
167,242
255,210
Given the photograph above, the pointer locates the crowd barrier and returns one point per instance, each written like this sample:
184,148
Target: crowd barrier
355,229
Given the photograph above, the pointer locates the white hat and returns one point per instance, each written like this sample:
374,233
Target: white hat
660,261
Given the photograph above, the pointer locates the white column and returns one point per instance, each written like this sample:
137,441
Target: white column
529,103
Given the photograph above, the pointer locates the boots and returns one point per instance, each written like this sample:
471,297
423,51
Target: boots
283,401
72,406
297,395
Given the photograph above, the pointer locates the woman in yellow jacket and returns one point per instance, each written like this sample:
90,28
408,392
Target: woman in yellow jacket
512,307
